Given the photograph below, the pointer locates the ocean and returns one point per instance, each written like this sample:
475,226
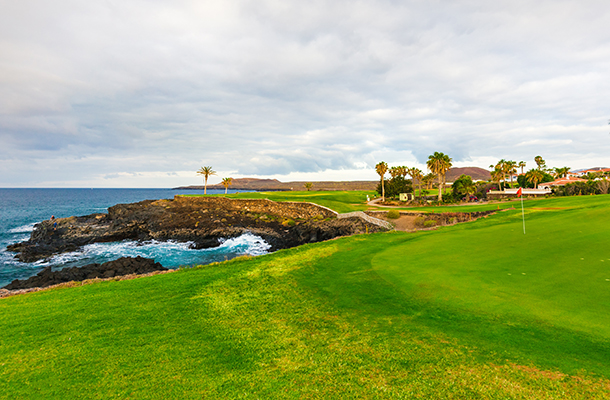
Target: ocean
21,209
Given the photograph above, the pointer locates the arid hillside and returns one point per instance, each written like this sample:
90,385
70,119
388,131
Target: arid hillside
263,185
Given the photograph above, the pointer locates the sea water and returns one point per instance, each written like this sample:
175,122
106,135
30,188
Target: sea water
21,209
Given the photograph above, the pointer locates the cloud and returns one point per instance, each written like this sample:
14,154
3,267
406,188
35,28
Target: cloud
101,89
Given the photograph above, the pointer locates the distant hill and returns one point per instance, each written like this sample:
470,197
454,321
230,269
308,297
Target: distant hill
475,173
266,185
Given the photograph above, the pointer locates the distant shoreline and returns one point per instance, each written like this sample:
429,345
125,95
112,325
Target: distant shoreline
273,185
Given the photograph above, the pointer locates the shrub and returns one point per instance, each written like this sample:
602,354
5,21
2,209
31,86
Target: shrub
429,223
393,214
289,222
393,187
419,221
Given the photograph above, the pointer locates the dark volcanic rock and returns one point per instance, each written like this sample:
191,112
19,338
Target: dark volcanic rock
200,220
120,267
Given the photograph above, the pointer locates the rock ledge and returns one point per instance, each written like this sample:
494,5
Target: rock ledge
122,266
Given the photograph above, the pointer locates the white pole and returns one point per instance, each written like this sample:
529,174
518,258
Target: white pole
522,213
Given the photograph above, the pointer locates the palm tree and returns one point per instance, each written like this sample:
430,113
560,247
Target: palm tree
226,182
381,169
428,179
540,162
504,167
206,172
521,165
500,170
534,176
439,164
308,186
416,173
496,175
464,185
562,172
395,171
510,167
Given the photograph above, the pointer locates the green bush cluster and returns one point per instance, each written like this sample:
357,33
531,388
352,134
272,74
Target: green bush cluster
393,214
429,223
582,188
395,186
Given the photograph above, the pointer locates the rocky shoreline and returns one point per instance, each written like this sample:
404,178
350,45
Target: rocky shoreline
120,267
8,293
202,221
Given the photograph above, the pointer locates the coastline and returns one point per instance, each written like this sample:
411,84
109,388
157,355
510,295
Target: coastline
4,293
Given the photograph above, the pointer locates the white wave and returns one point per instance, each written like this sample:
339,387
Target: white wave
12,240
169,254
248,243
23,229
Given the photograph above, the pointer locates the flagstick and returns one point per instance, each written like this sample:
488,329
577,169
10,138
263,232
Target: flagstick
522,213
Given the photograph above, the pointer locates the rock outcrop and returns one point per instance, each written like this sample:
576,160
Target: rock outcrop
122,266
200,220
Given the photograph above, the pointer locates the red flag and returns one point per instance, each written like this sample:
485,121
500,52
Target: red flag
519,192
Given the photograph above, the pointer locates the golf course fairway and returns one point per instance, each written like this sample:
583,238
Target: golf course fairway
474,310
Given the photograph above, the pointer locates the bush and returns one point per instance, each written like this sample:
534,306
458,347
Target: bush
429,223
578,189
395,186
393,214
419,221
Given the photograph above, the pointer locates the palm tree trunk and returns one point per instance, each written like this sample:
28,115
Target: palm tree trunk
226,189
382,191
205,186
440,188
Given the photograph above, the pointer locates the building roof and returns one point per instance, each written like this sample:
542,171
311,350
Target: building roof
586,171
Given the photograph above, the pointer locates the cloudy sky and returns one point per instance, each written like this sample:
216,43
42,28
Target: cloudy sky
130,93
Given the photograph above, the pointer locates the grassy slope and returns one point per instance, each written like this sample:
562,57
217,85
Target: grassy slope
354,200
433,314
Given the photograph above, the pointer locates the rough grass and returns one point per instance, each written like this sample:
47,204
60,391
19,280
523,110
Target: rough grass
475,310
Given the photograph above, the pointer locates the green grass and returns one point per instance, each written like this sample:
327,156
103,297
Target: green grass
348,201
340,201
477,310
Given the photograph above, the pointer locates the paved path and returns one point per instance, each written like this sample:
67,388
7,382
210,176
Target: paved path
367,218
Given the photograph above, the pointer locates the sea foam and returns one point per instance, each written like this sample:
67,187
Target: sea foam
23,229
170,254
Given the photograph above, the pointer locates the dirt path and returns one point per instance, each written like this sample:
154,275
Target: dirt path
405,223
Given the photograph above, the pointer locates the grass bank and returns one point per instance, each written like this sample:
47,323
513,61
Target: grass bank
476,310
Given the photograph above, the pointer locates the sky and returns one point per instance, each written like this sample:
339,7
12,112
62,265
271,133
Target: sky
131,93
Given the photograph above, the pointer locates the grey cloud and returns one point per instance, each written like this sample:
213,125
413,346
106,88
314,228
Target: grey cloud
271,88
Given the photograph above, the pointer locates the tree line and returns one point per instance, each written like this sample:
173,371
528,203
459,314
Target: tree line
438,164
502,174
206,172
